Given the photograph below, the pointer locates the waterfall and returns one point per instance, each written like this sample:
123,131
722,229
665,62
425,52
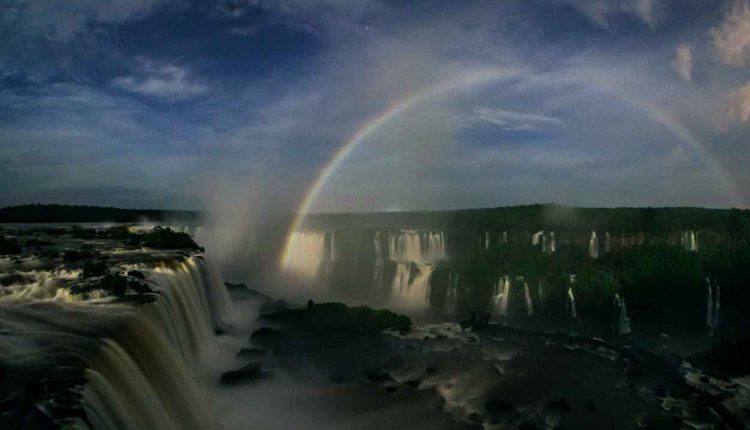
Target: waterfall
713,303
134,354
527,296
409,288
606,243
500,296
504,237
572,303
486,240
417,247
377,274
415,254
689,241
621,322
536,236
451,293
306,251
136,381
593,246
552,243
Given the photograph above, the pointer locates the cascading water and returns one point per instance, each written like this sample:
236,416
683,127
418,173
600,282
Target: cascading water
415,254
713,303
594,245
527,298
451,293
536,237
500,296
487,241
689,241
620,322
377,274
134,350
306,253
572,312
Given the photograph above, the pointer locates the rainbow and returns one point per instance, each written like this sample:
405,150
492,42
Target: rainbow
485,76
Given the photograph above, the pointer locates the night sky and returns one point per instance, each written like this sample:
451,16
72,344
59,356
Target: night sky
176,104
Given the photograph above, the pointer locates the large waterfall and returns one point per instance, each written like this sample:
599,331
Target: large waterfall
135,351
415,255
305,253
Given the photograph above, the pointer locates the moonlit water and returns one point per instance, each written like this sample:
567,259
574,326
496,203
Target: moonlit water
451,294
689,240
594,246
713,306
501,295
306,251
621,321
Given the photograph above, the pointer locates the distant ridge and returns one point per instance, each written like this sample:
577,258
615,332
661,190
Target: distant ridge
43,213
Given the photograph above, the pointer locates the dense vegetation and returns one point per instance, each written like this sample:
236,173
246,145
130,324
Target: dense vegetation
549,217
37,213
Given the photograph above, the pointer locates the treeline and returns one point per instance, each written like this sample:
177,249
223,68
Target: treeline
549,217
41,213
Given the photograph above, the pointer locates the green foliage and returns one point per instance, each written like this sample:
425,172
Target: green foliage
68,213
336,323
165,238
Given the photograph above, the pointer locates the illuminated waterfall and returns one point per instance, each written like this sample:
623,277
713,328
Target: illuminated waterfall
415,254
572,312
500,296
306,253
594,245
527,298
536,237
135,358
621,322
487,241
689,241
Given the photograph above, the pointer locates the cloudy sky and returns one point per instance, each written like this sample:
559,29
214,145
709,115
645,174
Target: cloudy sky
178,104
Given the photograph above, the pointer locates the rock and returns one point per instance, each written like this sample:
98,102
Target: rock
250,372
376,375
266,336
390,389
527,425
591,406
496,406
414,383
561,406
480,319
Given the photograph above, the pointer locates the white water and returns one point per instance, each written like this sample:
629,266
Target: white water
622,324
415,254
416,247
412,289
527,297
541,295
689,241
136,357
500,296
594,245
306,253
